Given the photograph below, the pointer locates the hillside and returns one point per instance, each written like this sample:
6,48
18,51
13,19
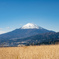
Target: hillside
39,39
30,52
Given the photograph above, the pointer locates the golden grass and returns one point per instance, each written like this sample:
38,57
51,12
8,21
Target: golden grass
30,52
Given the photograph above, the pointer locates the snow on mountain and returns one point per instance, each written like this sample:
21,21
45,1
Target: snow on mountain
30,26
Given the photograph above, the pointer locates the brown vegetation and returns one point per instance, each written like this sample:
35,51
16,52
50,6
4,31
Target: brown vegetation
30,52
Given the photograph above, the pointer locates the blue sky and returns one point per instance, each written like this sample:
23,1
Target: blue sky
16,13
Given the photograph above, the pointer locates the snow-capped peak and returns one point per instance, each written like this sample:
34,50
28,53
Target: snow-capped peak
30,26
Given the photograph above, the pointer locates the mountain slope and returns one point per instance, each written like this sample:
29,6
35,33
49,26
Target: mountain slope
46,38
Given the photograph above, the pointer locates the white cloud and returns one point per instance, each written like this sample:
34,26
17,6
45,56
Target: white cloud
1,32
8,27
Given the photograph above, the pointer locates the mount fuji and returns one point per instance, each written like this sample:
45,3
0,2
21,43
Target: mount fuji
23,32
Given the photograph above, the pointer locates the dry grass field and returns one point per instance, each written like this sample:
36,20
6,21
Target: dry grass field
30,52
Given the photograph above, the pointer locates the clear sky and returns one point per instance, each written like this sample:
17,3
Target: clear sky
16,13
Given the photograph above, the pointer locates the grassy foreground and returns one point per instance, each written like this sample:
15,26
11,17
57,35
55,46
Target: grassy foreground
30,52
